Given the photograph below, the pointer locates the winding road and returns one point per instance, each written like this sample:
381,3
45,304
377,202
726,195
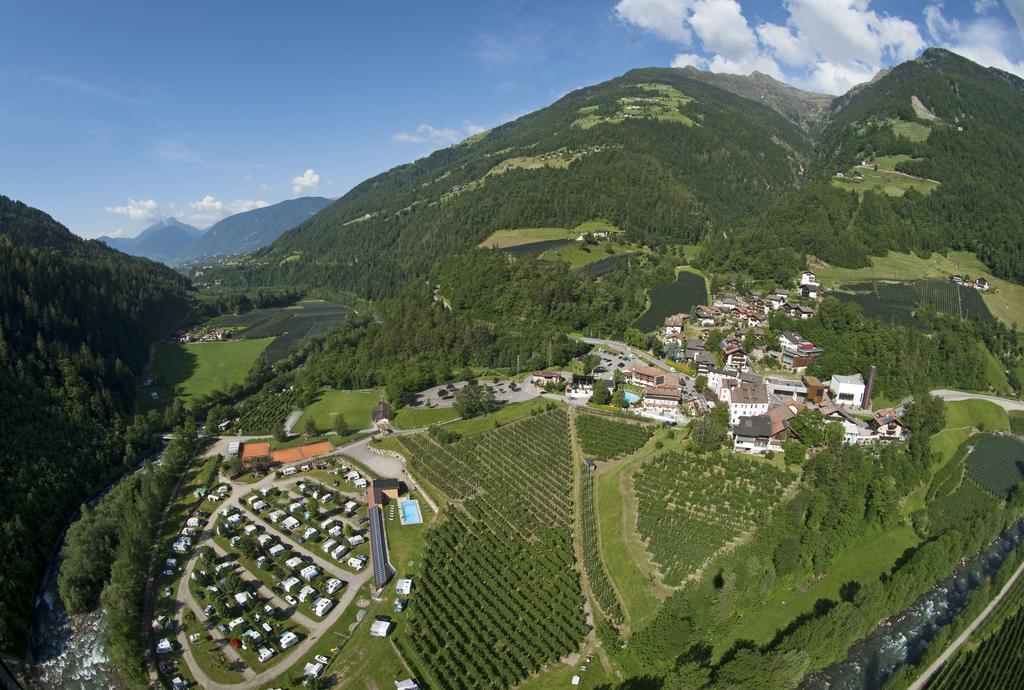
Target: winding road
954,396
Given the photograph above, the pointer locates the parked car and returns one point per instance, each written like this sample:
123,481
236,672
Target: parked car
291,600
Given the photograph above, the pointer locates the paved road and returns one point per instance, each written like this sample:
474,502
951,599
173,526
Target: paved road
1005,403
315,628
292,420
923,679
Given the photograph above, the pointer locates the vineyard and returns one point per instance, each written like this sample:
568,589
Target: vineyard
691,506
997,463
600,584
997,662
498,596
291,325
262,413
896,302
604,439
685,292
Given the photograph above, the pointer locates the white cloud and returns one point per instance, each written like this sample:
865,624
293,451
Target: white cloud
785,45
665,18
982,6
1016,10
689,60
176,151
985,40
209,209
439,136
136,209
306,182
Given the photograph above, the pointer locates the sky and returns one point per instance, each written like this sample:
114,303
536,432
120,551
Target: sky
116,114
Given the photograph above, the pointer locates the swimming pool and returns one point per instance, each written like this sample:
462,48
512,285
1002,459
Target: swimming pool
631,397
410,512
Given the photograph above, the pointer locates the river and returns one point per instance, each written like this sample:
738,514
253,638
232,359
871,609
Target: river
903,639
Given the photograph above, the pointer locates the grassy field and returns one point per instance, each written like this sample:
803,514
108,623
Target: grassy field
355,405
514,237
915,131
416,417
660,102
628,563
504,415
980,414
579,254
1006,302
891,183
194,369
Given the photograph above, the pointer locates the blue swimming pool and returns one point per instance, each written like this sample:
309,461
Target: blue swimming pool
410,512
631,398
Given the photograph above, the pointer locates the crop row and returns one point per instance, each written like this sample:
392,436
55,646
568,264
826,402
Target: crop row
498,597
691,506
597,576
605,439
264,412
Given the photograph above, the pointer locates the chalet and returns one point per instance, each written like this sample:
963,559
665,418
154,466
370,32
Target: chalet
981,284
661,399
746,399
958,279
752,434
810,291
808,278
643,375
777,300
734,356
835,414
674,324
847,390
887,426
381,416
546,378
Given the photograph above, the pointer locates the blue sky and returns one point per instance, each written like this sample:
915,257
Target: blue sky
117,114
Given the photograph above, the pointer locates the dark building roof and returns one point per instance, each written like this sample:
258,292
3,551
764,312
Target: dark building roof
382,570
753,427
387,483
381,411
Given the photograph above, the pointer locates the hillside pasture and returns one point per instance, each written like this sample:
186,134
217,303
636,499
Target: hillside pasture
687,291
512,237
885,181
997,463
915,131
581,254
976,414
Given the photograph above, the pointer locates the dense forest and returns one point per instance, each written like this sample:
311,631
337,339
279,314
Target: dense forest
76,321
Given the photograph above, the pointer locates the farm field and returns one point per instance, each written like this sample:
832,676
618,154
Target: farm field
597,574
500,239
580,254
289,326
887,182
416,417
471,623
996,462
896,301
355,405
915,131
194,369
505,414
656,102
604,439
262,413
686,291
691,507
1006,303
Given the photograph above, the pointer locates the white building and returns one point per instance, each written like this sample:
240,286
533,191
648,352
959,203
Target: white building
847,390
808,278
745,399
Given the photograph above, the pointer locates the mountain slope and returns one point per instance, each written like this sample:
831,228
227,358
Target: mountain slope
166,240
76,320
660,154
251,230
806,109
948,138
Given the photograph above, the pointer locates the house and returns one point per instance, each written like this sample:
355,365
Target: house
837,415
981,284
810,291
745,399
752,434
404,586
815,389
797,311
381,416
382,490
661,399
380,628
692,348
674,324
797,352
808,278
847,390
643,375
288,639
721,378
580,386
958,279
734,356
888,427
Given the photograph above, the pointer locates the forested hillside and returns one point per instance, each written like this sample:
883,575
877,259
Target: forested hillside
940,117
76,320
655,152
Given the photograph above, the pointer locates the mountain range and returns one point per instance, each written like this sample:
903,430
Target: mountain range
171,241
745,166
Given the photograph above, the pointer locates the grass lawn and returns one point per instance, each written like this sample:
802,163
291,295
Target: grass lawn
355,405
887,182
863,560
504,415
195,369
416,417
514,237
980,414
1006,302
560,675
625,558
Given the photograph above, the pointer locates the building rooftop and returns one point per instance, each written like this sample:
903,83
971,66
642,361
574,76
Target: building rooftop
851,379
757,427
747,393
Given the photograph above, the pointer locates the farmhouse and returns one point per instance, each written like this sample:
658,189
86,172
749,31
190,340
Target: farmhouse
808,278
381,416
847,390
887,426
